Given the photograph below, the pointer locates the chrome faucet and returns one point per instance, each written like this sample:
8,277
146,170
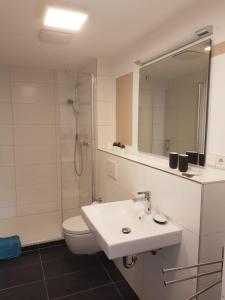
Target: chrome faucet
146,198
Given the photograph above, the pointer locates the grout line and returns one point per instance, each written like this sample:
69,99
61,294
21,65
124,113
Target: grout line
84,291
43,273
20,285
72,272
113,282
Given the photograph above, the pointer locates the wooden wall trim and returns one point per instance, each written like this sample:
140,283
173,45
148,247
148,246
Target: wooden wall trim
218,49
124,103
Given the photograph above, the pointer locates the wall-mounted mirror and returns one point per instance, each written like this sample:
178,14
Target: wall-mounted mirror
173,97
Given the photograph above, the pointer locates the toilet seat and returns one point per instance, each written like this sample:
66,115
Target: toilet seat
76,226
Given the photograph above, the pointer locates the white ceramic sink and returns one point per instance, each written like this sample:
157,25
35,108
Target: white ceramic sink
107,220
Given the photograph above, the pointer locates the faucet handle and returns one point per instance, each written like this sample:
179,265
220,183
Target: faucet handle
146,193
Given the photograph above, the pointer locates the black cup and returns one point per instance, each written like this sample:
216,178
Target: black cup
183,163
173,160
192,157
201,159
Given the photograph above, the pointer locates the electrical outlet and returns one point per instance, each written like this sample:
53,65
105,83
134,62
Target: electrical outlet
220,161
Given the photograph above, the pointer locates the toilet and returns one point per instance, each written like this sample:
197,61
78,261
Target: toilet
78,237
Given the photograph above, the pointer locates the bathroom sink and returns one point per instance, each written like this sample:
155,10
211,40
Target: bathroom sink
122,228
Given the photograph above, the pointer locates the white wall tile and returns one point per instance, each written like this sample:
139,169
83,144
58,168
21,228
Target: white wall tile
70,204
105,113
42,227
67,152
213,220
68,172
67,115
6,156
26,92
5,92
5,114
36,208
36,193
31,75
70,189
4,73
34,135
104,67
106,88
105,134
7,196
68,213
6,135
24,114
7,176
7,212
67,134
36,174
177,202
38,154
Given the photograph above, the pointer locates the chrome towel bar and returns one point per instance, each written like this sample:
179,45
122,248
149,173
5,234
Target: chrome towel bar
191,277
192,266
204,290
198,275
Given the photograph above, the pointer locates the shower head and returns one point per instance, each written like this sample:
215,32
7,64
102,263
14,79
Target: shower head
72,102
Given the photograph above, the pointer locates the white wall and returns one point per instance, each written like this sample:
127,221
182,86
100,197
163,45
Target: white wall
174,33
180,200
105,103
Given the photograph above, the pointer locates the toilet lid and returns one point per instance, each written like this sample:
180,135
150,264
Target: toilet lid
75,225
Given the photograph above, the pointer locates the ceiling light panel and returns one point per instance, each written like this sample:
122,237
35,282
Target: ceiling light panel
64,19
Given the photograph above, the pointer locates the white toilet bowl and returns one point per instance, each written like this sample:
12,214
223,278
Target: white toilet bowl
78,237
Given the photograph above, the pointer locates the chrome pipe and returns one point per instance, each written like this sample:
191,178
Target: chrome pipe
129,261
204,290
193,266
191,277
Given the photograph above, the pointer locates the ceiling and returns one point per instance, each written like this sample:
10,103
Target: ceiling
112,27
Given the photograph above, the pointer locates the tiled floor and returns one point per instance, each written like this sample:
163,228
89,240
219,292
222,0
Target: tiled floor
51,272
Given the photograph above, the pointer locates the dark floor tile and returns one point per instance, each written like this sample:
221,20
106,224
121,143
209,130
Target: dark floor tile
55,253
70,264
25,260
51,244
33,291
108,292
126,291
76,282
17,276
111,268
29,248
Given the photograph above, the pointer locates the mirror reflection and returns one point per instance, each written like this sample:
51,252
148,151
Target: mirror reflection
173,94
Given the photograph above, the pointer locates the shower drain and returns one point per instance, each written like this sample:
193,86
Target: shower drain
126,230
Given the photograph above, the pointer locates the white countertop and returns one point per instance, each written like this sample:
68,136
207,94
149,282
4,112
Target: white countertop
202,175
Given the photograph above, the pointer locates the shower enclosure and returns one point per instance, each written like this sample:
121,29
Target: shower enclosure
77,141
52,141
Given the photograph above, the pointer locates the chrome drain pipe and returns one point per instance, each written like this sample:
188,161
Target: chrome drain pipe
129,261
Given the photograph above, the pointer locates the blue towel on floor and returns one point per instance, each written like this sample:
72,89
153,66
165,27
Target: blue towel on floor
10,247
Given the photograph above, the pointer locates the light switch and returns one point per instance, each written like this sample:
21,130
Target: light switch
112,169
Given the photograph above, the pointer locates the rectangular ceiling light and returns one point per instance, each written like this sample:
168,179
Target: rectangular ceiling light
64,19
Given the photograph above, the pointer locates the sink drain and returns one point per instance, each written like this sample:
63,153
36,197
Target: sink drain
126,230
